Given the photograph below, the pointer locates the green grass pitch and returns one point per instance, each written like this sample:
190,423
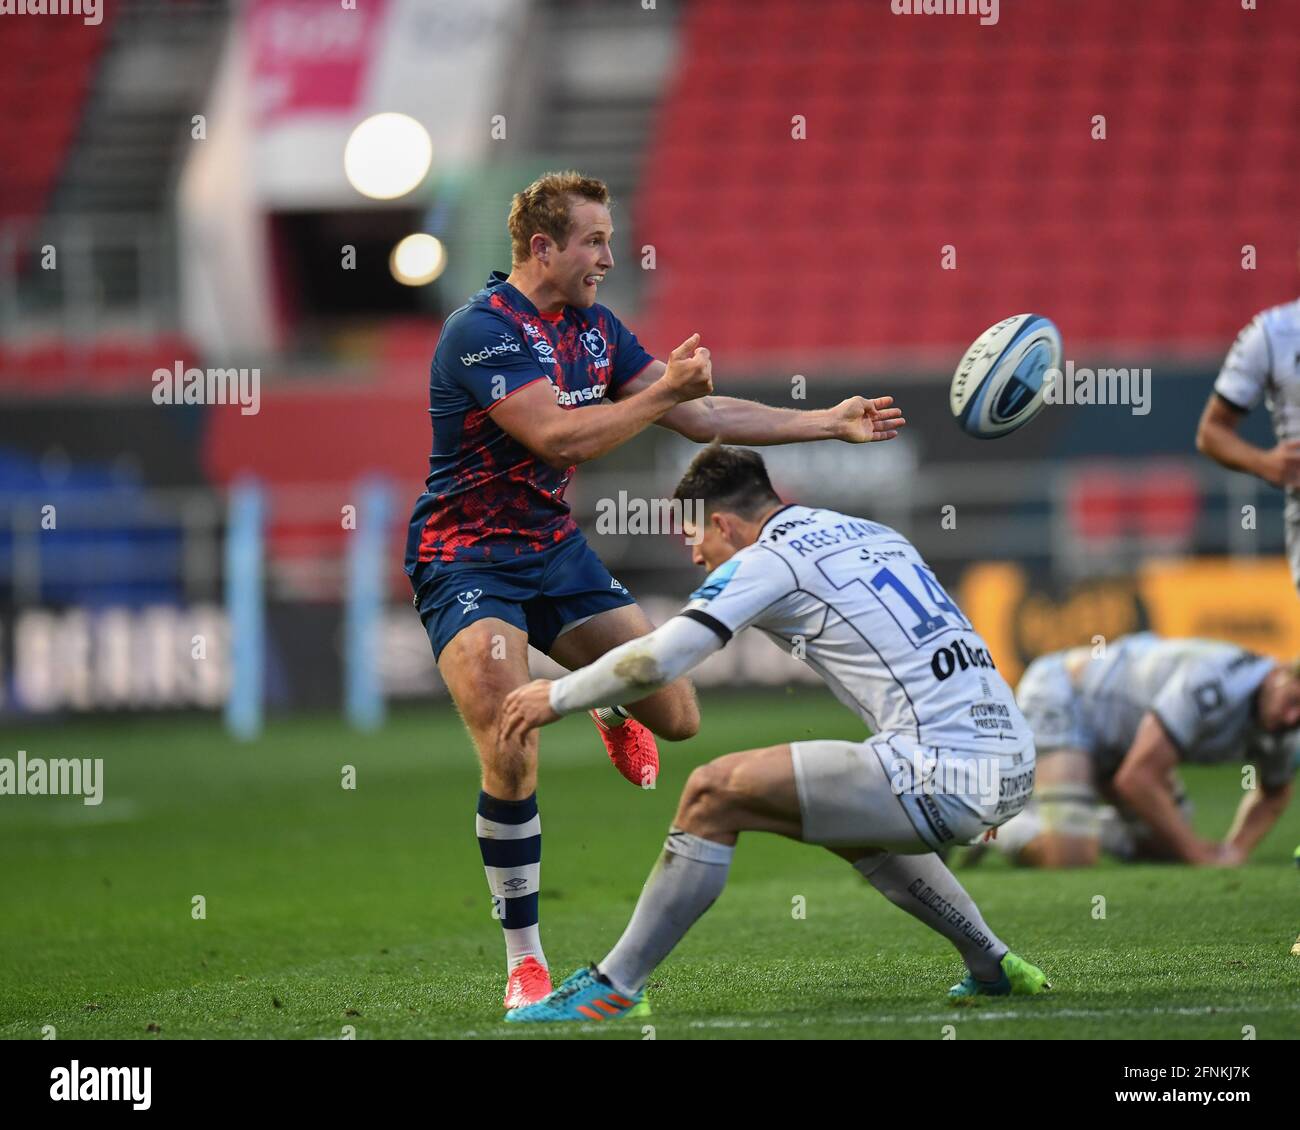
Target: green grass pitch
329,908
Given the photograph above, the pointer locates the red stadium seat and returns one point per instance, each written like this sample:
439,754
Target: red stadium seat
930,131
43,102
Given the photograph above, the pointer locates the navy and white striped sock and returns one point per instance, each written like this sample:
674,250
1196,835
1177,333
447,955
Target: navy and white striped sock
510,840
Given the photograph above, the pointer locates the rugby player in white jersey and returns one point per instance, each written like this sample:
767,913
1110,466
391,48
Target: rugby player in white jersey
1113,727
951,756
1264,362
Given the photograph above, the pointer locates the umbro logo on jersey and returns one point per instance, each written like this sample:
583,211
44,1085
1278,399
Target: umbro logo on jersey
518,883
593,341
505,345
614,583
469,600
545,352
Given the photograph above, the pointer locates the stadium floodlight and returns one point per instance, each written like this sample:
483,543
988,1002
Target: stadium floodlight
418,259
387,156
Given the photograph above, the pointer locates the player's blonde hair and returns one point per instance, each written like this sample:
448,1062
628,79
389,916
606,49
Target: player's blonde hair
545,207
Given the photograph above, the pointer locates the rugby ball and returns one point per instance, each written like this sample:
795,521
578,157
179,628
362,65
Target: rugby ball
1000,383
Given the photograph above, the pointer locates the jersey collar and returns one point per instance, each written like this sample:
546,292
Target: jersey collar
521,301
773,517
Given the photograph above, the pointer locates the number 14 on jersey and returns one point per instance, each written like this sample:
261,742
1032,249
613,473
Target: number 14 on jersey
907,589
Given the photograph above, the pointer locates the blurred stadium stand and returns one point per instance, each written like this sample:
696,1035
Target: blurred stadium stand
817,257
95,117
43,105
926,132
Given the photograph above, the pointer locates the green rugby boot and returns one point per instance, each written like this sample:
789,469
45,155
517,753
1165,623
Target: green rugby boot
1016,976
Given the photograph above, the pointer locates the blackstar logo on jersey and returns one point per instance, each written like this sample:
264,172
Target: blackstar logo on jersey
504,345
959,656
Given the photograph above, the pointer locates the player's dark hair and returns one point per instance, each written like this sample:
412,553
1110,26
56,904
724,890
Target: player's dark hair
546,207
729,478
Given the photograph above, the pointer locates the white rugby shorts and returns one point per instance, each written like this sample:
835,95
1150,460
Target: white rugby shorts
893,793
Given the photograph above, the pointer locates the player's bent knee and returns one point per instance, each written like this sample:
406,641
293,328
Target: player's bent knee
706,800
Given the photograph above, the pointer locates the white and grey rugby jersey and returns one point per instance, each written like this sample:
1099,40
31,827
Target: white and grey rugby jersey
1264,362
1202,692
854,600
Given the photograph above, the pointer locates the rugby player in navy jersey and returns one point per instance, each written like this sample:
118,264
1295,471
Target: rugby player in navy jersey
530,378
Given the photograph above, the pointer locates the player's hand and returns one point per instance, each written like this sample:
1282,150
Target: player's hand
863,420
1207,853
1230,855
689,374
525,709
1282,464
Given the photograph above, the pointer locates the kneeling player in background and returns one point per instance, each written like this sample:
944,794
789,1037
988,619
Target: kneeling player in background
1114,727
951,756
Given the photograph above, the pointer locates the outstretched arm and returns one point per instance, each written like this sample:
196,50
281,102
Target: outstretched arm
628,673
1142,783
1256,815
731,420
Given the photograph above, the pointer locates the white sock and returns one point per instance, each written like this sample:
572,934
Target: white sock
522,943
924,887
689,876
612,717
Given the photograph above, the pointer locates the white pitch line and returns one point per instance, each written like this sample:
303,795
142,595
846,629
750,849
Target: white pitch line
958,1013
954,1014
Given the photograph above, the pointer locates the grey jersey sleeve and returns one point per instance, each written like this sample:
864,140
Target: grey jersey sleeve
1278,758
1205,700
741,592
1244,376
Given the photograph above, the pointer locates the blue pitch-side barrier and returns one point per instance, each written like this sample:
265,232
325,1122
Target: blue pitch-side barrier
246,608
364,609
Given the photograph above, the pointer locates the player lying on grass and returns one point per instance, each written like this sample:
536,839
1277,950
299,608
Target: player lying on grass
951,756
1114,727
530,378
